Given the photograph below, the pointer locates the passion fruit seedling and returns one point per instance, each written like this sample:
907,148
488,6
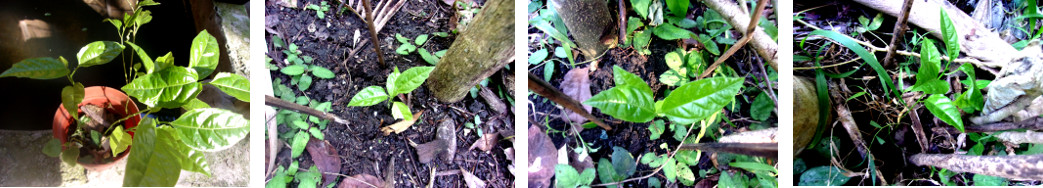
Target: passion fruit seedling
320,10
408,47
157,84
397,83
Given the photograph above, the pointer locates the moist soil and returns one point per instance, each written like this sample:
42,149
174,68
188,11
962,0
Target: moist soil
895,142
364,149
634,137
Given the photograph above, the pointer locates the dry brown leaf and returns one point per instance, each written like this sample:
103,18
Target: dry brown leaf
361,181
487,142
576,84
542,158
325,157
400,126
471,180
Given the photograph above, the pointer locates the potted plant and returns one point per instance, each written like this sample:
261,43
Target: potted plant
95,126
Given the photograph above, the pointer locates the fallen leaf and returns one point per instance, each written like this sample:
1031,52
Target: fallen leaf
471,180
400,126
325,158
576,84
288,3
361,181
486,143
542,158
444,143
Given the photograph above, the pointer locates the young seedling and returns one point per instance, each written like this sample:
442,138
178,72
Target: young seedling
397,83
408,47
320,10
300,71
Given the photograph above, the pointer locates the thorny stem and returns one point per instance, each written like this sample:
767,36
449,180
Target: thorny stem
373,32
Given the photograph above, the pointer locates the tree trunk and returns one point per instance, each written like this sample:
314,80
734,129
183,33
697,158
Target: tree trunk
481,50
589,22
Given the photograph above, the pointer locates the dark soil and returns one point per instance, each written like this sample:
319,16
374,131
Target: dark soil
634,137
899,141
363,147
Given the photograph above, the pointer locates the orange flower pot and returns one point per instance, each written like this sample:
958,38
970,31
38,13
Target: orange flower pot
114,101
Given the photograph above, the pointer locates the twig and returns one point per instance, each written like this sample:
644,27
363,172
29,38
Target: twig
745,38
279,103
373,32
546,90
622,22
899,30
771,92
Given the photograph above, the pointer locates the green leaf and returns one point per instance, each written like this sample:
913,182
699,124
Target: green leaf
538,56
315,132
98,53
304,82
53,148
430,59
623,162
642,38
671,32
204,54
71,98
762,107
673,78
193,160
233,84
606,173
884,77
412,79
119,140
420,40
37,68
399,110
626,103
686,176
673,60
943,109
566,176
142,17
707,42
754,166
687,157
623,78
211,129
155,160
657,129
698,99
145,59
310,178
390,84
293,70
985,180
823,176
440,53
641,7
670,169
300,124
70,154
298,144
164,62
877,21
548,70
168,88
278,180
322,72
949,35
369,96
405,49
678,7
401,39
930,66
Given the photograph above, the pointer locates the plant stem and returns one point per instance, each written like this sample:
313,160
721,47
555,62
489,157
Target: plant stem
544,89
276,102
373,32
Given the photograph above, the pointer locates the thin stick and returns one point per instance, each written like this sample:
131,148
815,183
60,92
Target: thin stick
898,32
742,42
622,22
373,32
279,103
544,89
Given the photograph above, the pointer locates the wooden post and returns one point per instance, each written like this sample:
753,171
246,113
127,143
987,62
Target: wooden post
590,24
482,49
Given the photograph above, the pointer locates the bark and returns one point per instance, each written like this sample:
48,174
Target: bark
481,50
589,22
976,40
762,43
1013,167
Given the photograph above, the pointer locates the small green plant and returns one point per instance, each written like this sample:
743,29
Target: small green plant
300,71
161,149
631,99
397,83
408,47
928,79
682,67
320,10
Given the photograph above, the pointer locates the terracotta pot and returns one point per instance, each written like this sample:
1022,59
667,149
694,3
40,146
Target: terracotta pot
114,100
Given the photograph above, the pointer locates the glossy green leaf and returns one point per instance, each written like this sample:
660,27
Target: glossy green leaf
192,160
641,7
671,32
204,54
145,59
399,110
420,40
678,7
626,103
823,176
98,53
698,99
168,88
164,62
390,84
943,109
71,98
762,107
211,129
538,56
299,142
949,35
233,84
427,56
369,96
119,140
155,160
322,72
37,68
412,79
294,70
930,66
623,78
315,132
657,128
